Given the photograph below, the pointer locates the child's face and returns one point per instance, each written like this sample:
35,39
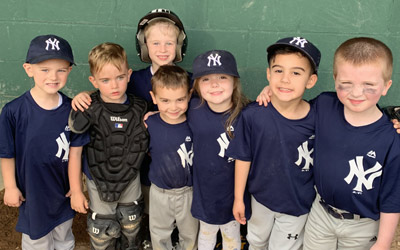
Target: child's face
50,75
217,90
172,103
161,44
111,82
289,75
359,88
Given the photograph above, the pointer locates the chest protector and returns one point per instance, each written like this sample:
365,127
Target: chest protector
118,144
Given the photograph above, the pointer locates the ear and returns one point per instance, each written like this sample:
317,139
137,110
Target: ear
312,81
153,97
386,87
268,74
129,74
93,81
28,69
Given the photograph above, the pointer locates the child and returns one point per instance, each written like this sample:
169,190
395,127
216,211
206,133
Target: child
171,167
118,143
34,147
273,150
356,154
212,120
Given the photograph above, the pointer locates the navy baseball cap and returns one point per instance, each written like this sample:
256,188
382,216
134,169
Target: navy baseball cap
214,62
49,47
301,44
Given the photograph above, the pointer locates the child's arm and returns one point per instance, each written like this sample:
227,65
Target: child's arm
12,195
82,101
264,97
241,173
79,202
387,228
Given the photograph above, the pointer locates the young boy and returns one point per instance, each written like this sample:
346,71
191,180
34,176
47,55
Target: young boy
171,150
34,147
357,154
273,150
118,143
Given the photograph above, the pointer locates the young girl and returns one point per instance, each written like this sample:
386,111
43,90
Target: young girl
211,117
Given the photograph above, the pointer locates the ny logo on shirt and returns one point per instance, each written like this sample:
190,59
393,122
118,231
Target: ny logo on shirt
223,144
186,157
305,153
357,170
63,144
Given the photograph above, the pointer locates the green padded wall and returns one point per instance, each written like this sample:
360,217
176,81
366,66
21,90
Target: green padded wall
243,27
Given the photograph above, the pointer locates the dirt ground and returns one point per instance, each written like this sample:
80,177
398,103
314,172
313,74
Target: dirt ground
11,240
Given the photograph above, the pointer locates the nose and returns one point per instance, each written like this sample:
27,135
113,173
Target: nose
285,77
53,75
214,83
357,90
114,84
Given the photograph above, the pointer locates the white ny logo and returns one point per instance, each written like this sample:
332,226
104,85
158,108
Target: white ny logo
299,40
95,230
186,157
357,169
223,144
63,144
306,154
54,44
215,59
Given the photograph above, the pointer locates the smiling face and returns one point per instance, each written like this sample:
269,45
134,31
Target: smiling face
359,87
172,103
112,82
161,40
217,90
50,75
289,75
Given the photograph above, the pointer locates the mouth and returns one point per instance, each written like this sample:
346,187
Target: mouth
163,58
52,84
284,90
216,93
116,93
356,102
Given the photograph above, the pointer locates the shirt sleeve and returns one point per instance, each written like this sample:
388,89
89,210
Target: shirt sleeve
7,133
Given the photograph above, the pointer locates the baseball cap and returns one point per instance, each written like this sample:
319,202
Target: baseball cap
214,62
300,43
49,47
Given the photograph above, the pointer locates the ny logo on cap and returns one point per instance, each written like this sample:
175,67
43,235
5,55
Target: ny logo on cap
299,41
215,59
54,44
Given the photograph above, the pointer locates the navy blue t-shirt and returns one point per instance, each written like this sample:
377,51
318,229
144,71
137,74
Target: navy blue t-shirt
356,168
281,155
39,140
171,150
213,170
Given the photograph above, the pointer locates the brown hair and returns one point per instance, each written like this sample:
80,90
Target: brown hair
170,77
287,50
239,101
105,53
363,50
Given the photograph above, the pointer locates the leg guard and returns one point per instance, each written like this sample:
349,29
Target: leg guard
129,217
103,231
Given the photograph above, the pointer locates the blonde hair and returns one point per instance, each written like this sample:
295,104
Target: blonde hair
106,53
362,50
239,101
163,22
170,77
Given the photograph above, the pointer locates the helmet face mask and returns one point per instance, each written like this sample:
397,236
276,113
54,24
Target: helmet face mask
155,15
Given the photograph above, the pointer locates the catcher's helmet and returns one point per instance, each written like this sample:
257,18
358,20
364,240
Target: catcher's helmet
160,14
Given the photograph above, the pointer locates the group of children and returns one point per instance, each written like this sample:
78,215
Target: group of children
302,175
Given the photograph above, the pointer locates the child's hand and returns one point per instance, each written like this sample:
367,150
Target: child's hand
264,97
238,211
79,203
81,101
147,116
376,246
13,197
396,125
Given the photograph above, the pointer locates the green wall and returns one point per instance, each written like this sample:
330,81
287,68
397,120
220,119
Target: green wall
244,27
